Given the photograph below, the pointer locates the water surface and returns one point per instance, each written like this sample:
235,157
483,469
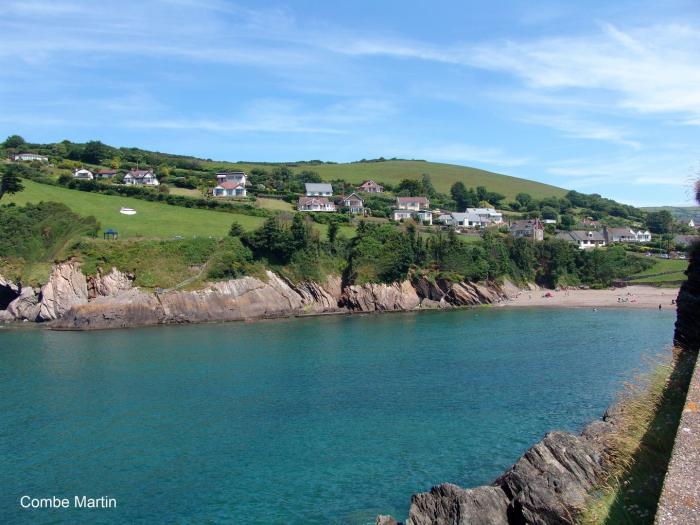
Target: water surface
318,420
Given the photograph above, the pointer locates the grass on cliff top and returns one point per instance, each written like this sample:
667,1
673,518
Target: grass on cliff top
640,448
152,220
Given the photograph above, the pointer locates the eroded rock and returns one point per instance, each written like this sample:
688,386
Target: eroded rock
66,287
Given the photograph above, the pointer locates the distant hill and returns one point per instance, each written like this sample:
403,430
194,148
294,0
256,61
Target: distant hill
679,212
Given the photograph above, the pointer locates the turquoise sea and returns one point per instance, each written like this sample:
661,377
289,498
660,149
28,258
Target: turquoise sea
316,420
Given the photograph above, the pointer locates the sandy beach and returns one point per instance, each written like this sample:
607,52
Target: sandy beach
629,297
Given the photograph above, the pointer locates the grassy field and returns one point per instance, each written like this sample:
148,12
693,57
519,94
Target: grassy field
675,266
152,220
442,176
393,171
274,204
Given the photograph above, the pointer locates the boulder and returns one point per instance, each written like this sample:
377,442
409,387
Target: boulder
550,482
26,306
66,287
385,520
448,504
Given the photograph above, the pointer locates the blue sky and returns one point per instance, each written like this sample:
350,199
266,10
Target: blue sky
602,97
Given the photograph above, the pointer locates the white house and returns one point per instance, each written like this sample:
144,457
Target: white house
230,184
412,203
83,174
461,220
421,216
30,157
318,189
690,223
584,239
626,235
315,204
141,178
487,215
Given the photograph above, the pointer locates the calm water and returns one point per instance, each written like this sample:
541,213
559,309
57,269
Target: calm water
325,420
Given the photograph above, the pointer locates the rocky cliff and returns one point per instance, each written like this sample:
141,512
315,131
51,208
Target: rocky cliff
548,485
687,333
73,302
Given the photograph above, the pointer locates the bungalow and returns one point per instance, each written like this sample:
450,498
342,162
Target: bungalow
527,229
355,203
421,216
318,189
30,157
412,203
487,215
83,174
105,174
369,186
584,239
315,204
230,184
140,178
626,235
461,220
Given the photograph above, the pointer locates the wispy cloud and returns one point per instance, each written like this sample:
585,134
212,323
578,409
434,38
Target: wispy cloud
578,128
469,154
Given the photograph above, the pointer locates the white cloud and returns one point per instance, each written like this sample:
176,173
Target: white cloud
578,128
466,153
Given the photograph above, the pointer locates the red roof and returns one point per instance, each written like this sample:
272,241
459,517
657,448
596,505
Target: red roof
106,171
313,200
229,185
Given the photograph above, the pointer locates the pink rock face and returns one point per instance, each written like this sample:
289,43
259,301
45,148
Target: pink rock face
66,287
373,297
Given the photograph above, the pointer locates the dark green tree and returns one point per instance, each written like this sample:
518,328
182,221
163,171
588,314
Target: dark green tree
10,182
236,229
459,194
659,221
409,188
13,141
523,199
427,183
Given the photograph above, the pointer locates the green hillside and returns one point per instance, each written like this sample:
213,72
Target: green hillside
153,219
443,176
679,212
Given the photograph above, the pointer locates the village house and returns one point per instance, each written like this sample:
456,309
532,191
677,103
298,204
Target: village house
140,178
321,204
487,215
83,174
369,186
461,220
230,184
412,203
690,223
420,216
26,157
105,174
584,239
626,235
355,203
318,189
527,229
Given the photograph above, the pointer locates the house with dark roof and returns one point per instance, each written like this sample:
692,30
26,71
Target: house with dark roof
527,229
461,220
105,173
626,235
584,239
28,157
137,177
355,203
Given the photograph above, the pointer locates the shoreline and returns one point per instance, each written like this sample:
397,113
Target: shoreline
636,296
